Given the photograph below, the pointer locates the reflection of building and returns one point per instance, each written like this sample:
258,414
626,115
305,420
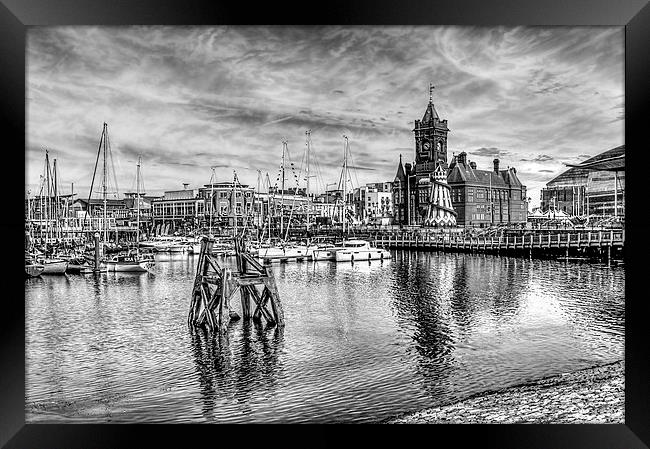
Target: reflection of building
588,188
479,197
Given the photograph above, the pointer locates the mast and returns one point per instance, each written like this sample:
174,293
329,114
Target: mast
308,132
212,176
345,179
104,186
268,189
137,207
284,146
48,203
257,201
234,209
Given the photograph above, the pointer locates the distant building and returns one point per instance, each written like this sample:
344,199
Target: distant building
479,197
588,188
226,202
486,197
176,209
372,202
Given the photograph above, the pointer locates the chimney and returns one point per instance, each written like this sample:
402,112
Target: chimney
407,168
473,165
496,165
185,184
462,158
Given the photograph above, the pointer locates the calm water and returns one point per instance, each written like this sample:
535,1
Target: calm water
362,342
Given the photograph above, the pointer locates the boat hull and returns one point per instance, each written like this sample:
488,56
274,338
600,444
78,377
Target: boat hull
279,254
361,255
324,254
129,267
54,267
34,270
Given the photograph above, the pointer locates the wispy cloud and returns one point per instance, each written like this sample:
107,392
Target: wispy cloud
188,98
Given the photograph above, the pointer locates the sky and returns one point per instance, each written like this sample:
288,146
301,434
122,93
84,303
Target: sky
191,98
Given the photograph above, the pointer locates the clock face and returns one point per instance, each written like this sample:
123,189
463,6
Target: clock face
426,145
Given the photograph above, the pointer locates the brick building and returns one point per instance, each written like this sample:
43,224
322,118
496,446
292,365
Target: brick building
479,197
486,197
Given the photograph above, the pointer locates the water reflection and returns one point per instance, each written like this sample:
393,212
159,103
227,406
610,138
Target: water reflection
240,365
363,341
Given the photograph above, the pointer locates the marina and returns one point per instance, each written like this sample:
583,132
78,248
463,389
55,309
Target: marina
317,242
362,342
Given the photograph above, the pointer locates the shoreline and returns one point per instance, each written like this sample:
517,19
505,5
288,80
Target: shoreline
593,395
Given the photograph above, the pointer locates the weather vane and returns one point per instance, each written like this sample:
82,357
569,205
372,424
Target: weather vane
431,87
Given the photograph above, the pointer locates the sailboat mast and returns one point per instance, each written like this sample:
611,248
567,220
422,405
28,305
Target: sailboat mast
48,203
104,186
308,132
256,202
284,146
137,207
211,200
345,179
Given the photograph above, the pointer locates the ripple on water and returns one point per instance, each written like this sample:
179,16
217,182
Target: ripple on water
363,341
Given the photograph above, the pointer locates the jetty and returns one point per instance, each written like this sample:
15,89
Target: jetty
602,243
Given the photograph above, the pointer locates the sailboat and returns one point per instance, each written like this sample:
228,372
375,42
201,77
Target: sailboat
329,251
51,264
133,261
285,250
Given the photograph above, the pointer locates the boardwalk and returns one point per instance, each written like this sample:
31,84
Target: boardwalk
587,243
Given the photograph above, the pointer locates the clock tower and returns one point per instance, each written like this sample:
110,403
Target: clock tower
430,141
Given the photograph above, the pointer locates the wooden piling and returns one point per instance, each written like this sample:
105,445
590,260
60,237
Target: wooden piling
214,287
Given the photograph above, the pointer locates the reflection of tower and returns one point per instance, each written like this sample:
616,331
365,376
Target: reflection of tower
440,212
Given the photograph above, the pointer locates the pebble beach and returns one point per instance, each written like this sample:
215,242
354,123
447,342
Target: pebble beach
591,396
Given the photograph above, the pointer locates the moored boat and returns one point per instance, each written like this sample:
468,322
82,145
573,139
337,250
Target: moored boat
129,263
54,266
357,250
33,269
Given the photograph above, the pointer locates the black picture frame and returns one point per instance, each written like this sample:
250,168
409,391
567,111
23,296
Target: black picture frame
16,15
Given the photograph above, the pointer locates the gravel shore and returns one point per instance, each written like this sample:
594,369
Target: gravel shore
590,396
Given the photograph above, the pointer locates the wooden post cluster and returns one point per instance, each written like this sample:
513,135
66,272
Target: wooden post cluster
214,286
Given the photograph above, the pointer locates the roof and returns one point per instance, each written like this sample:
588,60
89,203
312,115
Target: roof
459,173
610,160
430,113
109,201
400,176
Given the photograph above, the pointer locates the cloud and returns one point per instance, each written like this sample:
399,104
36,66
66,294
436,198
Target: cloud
488,152
188,98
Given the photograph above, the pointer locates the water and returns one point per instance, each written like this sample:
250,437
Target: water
362,342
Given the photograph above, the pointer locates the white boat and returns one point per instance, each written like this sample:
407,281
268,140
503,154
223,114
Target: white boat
283,253
53,266
357,250
179,248
129,263
327,252
33,269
